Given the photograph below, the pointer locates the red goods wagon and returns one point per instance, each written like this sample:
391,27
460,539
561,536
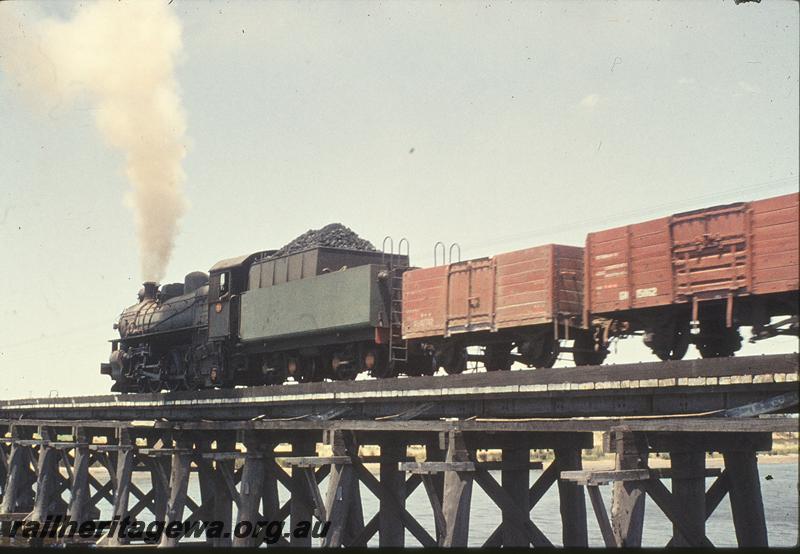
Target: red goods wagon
527,299
716,268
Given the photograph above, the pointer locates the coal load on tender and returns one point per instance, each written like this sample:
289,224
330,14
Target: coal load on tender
334,235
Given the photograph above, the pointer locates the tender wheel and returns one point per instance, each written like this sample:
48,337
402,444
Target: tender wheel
309,370
293,367
669,341
273,369
375,361
718,341
342,368
497,357
585,352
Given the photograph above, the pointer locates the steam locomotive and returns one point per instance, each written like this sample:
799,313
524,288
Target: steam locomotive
320,313
326,312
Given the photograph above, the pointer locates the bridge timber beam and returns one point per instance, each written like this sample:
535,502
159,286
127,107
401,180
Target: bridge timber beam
175,453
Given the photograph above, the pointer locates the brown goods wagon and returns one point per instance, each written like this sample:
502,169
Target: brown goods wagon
516,289
737,249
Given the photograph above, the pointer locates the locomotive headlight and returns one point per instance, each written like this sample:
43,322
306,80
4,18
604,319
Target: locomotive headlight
218,307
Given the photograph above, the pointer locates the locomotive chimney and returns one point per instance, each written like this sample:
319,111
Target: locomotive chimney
150,289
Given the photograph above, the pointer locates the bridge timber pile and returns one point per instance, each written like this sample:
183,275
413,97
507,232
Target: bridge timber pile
227,439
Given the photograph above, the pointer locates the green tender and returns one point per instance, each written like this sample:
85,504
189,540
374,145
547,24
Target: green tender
346,299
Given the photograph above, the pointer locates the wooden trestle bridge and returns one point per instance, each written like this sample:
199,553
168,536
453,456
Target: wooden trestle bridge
67,456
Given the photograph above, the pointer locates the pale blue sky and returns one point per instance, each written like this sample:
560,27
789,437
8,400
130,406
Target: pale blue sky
530,122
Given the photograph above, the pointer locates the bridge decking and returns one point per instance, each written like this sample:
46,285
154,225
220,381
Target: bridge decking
652,388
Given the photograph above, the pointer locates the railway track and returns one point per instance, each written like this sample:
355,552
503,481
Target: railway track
640,389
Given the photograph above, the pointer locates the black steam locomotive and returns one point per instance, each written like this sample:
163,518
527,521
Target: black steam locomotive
323,312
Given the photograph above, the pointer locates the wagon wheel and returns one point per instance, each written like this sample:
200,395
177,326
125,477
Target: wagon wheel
420,364
550,351
718,341
670,341
497,357
453,359
540,351
584,352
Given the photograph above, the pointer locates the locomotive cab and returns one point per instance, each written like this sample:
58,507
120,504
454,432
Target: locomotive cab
219,304
227,281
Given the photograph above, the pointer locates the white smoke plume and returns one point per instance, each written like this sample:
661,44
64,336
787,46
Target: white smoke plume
121,57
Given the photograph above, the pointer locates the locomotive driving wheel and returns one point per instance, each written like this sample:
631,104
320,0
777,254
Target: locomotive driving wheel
183,382
148,385
177,372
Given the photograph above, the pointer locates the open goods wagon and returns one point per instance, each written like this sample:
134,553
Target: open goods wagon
695,277
529,300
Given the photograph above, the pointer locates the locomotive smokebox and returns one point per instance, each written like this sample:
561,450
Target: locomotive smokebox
150,289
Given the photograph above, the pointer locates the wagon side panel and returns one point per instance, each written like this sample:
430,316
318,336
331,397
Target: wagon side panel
524,287
775,244
424,302
711,253
650,264
629,267
568,279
